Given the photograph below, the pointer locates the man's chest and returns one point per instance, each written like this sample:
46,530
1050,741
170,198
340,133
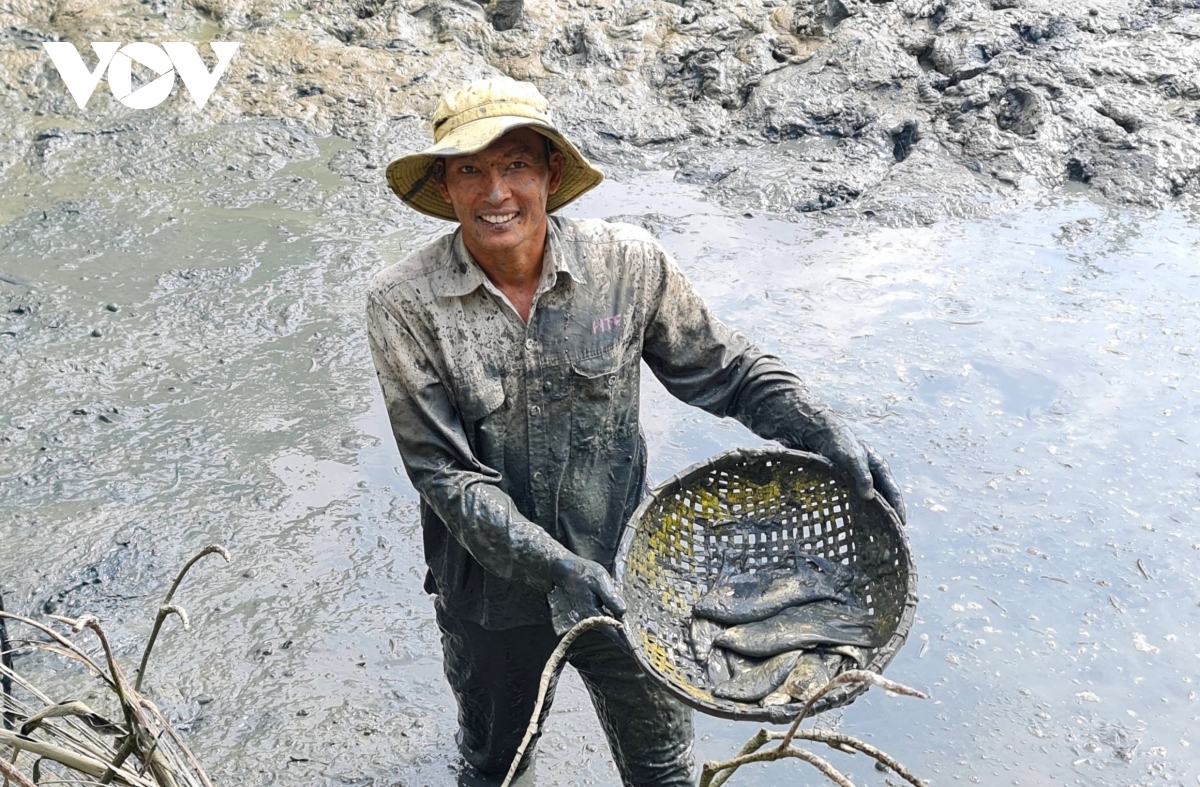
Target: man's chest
482,338
574,363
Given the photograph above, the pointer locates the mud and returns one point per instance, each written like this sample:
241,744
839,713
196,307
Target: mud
905,110
1031,377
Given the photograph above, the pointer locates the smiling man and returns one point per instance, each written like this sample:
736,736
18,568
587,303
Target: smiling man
508,352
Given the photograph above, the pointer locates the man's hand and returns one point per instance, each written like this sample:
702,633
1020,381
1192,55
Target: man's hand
582,589
832,439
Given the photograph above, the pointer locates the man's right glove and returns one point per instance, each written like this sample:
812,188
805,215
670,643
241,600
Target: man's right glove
582,589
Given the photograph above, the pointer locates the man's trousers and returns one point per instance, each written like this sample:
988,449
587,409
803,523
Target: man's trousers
494,676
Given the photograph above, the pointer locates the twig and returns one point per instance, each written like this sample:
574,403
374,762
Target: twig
711,769
114,766
11,773
548,674
79,735
76,709
850,676
67,730
754,744
133,718
838,739
144,747
187,753
166,609
715,774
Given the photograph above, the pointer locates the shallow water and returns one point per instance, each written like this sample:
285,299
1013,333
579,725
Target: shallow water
1033,379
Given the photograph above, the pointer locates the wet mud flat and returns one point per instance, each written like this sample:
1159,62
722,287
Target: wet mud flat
893,209
190,367
905,111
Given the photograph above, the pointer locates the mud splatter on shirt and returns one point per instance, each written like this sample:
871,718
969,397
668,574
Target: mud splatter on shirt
523,438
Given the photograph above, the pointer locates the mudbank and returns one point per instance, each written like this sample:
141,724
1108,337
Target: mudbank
183,362
908,108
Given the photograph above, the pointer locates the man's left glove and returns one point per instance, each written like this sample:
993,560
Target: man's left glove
582,589
824,433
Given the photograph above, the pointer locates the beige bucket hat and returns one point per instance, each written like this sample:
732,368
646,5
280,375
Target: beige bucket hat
469,119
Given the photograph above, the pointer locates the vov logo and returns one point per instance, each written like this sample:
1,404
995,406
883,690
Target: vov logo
173,57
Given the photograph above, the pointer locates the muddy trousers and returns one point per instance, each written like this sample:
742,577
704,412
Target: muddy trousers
494,676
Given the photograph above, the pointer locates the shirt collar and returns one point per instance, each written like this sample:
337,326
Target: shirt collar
564,253
462,275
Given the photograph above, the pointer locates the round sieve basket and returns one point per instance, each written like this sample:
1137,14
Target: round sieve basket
765,503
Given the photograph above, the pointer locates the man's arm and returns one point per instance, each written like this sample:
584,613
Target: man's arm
463,492
705,363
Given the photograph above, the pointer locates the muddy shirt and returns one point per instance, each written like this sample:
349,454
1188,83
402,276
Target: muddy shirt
523,439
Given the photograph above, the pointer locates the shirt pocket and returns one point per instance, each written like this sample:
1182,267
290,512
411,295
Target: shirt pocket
603,385
479,398
481,405
596,378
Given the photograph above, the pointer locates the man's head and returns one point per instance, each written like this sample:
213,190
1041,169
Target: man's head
499,194
474,122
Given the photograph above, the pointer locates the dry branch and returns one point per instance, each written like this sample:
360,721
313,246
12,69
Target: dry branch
68,730
73,650
64,756
10,772
711,769
715,774
548,674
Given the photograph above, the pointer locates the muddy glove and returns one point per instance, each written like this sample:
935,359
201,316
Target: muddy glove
582,589
824,433
883,482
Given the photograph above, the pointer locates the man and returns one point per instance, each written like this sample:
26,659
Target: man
508,353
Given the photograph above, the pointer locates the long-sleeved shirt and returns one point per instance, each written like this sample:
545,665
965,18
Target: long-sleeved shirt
522,439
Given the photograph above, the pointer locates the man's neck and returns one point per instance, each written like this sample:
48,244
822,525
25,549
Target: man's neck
516,272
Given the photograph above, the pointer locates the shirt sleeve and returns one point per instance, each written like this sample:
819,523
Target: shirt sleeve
707,364
464,493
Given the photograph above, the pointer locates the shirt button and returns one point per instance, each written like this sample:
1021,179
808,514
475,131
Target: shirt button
529,343
546,386
537,476
535,410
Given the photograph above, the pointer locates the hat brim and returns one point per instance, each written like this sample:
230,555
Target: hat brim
411,176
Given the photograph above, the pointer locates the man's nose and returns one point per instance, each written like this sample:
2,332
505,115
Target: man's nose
497,189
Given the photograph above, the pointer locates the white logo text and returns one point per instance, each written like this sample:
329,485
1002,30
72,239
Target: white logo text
171,58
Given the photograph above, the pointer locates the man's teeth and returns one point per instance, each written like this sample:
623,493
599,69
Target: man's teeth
498,219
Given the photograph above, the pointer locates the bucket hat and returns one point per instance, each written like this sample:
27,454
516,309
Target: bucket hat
469,119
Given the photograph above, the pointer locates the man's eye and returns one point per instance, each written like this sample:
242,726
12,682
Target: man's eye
518,165
467,169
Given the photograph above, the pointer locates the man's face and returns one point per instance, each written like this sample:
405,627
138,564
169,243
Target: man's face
499,194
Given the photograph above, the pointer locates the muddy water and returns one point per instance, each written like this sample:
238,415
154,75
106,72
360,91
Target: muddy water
1033,378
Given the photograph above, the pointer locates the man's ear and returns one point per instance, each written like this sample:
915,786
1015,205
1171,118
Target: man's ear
441,182
556,171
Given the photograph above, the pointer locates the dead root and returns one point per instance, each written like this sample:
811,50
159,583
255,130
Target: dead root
714,774
139,749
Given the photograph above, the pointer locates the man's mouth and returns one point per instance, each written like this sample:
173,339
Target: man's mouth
498,218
